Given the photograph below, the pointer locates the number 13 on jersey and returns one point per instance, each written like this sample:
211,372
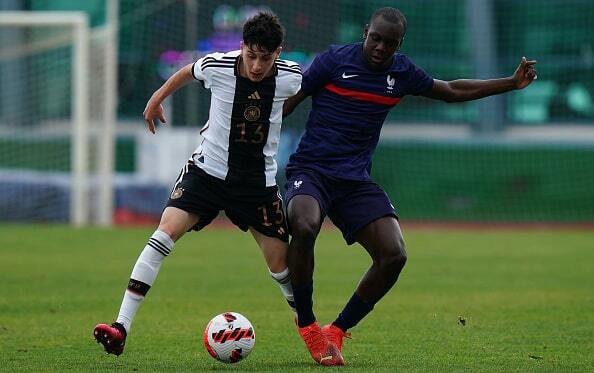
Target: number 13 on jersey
249,132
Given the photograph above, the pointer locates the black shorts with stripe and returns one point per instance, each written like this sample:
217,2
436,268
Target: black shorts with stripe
204,195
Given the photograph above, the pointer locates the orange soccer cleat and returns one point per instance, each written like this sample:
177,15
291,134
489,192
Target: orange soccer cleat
112,337
335,335
321,350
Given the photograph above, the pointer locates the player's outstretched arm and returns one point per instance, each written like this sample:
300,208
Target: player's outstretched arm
292,102
154,109
472,89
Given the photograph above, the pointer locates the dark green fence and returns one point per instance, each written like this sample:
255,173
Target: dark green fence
472,181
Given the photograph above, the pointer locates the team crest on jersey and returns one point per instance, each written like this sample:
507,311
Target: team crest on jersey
177,193
252,113
391,81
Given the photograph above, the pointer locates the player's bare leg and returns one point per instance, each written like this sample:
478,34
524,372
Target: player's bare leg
275,255
384,242
174,223
305,220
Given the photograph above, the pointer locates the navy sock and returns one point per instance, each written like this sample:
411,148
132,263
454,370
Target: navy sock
303,295
354,311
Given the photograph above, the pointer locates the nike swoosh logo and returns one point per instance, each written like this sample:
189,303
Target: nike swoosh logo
345,76
325,358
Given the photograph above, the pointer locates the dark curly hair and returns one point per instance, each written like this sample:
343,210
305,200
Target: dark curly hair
263,30
392,15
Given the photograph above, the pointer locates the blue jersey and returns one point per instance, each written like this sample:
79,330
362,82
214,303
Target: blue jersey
349,105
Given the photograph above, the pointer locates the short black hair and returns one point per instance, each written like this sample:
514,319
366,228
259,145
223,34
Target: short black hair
391,15
264,30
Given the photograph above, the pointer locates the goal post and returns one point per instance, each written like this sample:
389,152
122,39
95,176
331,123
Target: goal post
79,24
105,203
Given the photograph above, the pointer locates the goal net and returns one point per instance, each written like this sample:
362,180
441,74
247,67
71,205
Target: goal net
524,156
53,116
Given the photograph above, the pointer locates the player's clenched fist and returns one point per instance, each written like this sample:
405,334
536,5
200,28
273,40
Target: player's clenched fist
525,73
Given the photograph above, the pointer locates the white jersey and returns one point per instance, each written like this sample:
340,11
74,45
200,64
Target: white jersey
242,133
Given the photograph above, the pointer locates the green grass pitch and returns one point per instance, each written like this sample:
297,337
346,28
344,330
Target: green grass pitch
526,298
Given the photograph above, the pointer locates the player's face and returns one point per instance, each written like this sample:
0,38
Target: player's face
382,40
257,62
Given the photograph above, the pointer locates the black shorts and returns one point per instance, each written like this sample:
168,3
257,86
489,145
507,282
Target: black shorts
246,206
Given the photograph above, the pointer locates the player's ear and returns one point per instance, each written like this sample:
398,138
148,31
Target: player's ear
365,30
278,51
241,45
400,44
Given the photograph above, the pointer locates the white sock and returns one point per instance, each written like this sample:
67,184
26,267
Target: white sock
283,279
143,276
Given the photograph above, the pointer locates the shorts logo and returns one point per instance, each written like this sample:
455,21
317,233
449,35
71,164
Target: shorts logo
177,193
297,184
252,113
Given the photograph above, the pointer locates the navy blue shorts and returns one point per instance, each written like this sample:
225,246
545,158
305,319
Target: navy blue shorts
350,204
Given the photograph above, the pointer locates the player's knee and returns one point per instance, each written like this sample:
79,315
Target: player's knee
277,263
400,259
304,231
171,230
394,263
396,257
400,252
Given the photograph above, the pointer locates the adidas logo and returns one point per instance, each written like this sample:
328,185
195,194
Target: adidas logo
254,96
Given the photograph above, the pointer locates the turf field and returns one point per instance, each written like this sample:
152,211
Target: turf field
505,301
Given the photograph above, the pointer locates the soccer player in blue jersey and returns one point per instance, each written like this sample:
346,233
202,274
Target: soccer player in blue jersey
352,88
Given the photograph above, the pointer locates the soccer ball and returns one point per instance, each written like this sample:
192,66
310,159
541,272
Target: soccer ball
229,337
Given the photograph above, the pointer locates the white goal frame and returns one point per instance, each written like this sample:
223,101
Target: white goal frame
79,24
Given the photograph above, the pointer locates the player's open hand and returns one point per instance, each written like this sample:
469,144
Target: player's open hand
153,110
525,73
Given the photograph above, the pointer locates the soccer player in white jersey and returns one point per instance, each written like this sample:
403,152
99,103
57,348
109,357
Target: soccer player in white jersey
233,169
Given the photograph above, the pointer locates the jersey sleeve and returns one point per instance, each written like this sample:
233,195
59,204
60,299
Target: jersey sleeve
201,74
294,84
288,79
418,80
318,74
